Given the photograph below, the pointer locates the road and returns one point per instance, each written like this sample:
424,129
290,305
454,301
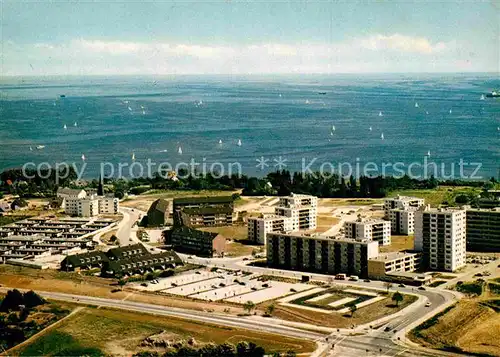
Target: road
211,318
126,233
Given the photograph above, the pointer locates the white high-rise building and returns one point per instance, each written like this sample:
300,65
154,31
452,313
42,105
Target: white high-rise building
402,220
302,209
84,204
440,234
259,227
401,202
369,229
108,204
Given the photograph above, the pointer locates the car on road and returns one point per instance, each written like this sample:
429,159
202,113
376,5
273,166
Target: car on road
428,304
477,275
388,328
154,281
421,288
402,285
367,281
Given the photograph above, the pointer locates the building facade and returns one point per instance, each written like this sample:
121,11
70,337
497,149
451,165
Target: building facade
301,209
259,227
328,255
158,212
185,203
193,241
440,234
369,229
108,205
483,230
400,262
402,221
78,202
401,202
207,216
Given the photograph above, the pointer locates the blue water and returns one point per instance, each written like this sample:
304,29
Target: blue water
273,116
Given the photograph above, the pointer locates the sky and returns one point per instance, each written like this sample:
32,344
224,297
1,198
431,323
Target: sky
248,37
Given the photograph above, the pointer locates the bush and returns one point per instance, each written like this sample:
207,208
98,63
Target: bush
32,299
12,300
471,288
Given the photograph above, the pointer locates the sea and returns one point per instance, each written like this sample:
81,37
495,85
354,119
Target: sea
394,124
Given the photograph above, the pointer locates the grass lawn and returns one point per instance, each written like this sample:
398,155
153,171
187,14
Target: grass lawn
120,333
469,327
438,195
398,243
333,202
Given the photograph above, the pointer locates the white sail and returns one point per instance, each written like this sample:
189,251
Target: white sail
370,128
416,105
65,127
130,109
179,150
482,97
429,153
143,112
31,149
307,101
133,156
380,114
450,111
239,142
220,141
333,127
382,136
40,147
75,124
427,113
83,157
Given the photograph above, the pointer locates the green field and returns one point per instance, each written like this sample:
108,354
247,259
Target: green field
437,196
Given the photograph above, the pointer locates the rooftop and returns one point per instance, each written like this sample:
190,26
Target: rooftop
385,257
201,200
208,210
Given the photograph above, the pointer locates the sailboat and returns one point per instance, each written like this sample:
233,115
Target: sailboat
370,128
382,136
83,157
427,113
429,153
483,97
179,151
133,156
65,127
239,142
450,111
380,114
40,147
331,133
130,109
75,124
143,112
416,105
142,106
307,101
31,149
220,142
333,127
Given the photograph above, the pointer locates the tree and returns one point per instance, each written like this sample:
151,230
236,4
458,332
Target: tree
397,297
388,285
249,306
122,283
270,309
32,299
352,308
12,300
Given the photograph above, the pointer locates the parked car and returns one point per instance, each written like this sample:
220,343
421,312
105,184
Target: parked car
402,285
367,281
421,288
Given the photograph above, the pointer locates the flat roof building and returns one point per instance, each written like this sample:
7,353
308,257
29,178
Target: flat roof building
483,230
328,255
301,209
181,204
402,220
401,202
370,229
440,234
407,261
207,216
259,227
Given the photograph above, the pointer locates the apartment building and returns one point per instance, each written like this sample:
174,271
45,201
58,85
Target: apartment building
108,205
207,216
184,203
401,202
483,230
402,220
394,262
329,255
301,209
259,227
193,241
84,204
440,234
369,229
